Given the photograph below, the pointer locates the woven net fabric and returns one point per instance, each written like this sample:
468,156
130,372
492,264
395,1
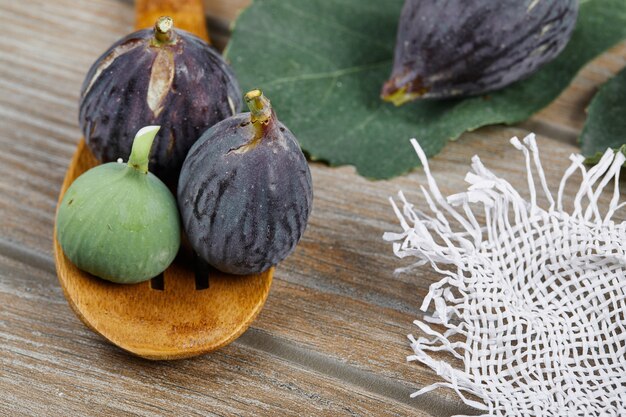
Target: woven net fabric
530,312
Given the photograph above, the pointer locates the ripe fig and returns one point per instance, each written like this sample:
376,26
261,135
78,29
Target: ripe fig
459,48
163,76
245,191
118,221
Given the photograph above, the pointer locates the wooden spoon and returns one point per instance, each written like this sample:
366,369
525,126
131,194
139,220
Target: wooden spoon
188,310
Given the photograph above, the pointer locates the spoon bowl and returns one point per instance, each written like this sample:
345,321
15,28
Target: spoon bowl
188,310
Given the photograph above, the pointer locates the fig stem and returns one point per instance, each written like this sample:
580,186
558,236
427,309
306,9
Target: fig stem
140,152
259,105
163,29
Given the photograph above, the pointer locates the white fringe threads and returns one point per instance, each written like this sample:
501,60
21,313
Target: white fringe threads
532,299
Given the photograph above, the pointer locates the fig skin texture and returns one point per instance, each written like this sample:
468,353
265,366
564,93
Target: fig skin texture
245,191
162,76
457,48
119,222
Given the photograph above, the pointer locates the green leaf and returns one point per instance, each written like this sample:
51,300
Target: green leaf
322,64
606,121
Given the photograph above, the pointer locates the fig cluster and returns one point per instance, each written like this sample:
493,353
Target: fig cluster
245,190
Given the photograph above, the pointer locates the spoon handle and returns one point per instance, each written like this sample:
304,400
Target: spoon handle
187,14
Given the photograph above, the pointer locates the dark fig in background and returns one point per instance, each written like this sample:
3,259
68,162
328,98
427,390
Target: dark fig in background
457,48
245,191
161,76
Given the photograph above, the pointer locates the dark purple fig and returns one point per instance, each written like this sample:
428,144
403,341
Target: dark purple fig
245,191
161,76
456,48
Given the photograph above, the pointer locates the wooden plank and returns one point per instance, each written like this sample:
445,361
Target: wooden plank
342,261
51,365
35,163
335,296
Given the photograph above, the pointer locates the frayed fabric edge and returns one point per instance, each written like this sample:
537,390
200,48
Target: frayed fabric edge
432,240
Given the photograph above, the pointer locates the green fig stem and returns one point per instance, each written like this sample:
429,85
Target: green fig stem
163,32
140,153
259,105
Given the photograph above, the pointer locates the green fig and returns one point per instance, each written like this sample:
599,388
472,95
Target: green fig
118,221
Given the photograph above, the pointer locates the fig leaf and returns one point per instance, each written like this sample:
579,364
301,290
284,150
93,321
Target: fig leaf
606,121
323,63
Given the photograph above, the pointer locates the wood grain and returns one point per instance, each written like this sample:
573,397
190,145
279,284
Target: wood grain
52,365
335,300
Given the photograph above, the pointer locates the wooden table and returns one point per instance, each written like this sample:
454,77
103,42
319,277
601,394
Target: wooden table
331,339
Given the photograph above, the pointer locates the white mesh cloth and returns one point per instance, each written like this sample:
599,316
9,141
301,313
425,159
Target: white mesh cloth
532,299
